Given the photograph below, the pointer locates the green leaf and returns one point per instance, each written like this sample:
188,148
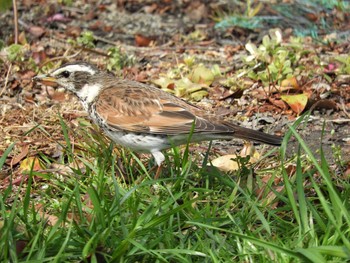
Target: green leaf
5,5
199,95
163,82
201,75
15,52
86,39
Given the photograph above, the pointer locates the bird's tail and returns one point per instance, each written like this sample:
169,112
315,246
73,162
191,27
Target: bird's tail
258,136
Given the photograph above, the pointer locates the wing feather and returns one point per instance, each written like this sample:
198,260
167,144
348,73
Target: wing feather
136,107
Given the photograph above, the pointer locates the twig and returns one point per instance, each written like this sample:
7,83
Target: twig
344,108
6,80
339,120
95,51
15,20
62,57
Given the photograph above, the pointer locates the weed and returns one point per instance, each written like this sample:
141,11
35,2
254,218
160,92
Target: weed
86,39
118,59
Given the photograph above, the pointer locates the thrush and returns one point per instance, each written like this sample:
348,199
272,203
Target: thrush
142,117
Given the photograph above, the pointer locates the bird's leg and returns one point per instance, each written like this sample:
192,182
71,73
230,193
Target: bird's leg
158,172
159,158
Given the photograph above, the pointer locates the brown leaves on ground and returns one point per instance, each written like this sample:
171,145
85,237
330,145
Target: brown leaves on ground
231,162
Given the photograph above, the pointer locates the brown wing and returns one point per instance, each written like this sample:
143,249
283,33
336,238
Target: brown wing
135,107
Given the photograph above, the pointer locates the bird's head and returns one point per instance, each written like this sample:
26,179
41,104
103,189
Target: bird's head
80,78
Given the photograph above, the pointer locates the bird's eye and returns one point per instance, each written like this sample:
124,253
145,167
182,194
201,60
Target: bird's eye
65,74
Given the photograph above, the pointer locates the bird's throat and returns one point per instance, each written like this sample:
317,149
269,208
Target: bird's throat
88,93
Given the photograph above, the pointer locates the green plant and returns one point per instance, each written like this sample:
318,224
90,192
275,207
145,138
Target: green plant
66,2
118,59
344,61
86,39
188,79
5,5
15,53
102,204
250,7
273,62
325,207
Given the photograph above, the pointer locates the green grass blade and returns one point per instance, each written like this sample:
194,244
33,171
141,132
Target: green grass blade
5,154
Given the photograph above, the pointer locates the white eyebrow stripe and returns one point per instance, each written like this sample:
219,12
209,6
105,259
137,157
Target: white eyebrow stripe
74,68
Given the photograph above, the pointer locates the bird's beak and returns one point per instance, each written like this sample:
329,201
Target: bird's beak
46,80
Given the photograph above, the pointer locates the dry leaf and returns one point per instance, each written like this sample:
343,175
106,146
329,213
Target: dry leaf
58,96
325,104
51,219
296,102
270,198
226,163
30,164
278,103
143,41
16,159
22,38
290,82
249,149
37,31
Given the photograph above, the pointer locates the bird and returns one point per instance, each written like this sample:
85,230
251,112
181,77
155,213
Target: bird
143,117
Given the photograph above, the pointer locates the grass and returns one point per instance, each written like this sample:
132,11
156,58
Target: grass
108,208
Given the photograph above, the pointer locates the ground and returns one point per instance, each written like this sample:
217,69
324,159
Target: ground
158,36
290,65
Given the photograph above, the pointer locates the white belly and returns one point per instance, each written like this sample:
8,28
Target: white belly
139,142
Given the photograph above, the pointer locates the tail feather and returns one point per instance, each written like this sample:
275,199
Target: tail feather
258,136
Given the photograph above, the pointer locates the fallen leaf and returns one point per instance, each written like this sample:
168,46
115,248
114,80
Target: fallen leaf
39,56
150,8
201,74
186,86
16,159
270,198
226,163
27,76
197,11
347,172
37,31
98,24
143,41
51,219
325,104
20,246
296,102
249,149
30,164
163,82
22,38
278,103
73,31
58,96
290,82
